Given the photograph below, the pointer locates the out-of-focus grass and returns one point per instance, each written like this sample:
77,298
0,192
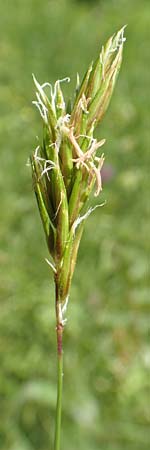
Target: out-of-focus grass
107,354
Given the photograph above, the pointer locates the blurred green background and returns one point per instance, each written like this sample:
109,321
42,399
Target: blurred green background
106,401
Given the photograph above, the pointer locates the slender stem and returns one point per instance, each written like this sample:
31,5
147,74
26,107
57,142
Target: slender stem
59,405
59,332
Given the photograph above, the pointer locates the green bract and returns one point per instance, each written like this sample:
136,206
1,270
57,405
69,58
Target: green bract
65,167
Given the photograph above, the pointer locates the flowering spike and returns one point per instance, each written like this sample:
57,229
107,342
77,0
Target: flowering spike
67,164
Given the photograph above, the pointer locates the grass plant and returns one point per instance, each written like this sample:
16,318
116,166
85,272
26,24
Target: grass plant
106,340
66,168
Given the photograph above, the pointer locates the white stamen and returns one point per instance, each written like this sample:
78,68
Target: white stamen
64,307
39,88
42,113
47,84
75,143
84,217
51,265
56,213
46,170
88,155
36,151
60,81
62,321
97,170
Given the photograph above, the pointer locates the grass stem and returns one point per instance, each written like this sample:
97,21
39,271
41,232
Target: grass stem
59,333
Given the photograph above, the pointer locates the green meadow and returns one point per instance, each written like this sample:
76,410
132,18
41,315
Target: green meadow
107,337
